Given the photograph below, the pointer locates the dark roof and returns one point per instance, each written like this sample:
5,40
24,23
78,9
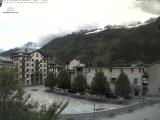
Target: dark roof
26,53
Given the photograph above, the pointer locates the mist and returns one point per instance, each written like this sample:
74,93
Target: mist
149,6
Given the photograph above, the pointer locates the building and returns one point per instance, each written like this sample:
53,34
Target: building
7,63
55,68
73,67
154,79
31,65
135,73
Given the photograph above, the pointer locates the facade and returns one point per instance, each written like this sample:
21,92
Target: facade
135,73
73,67
154,79
55,68
31,65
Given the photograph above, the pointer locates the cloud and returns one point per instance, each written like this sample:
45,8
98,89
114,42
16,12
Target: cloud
1,50
44,22
46,39
149,6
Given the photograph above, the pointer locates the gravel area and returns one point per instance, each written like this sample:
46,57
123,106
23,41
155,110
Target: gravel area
75,106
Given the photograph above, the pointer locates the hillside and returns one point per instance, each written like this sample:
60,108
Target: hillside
122,45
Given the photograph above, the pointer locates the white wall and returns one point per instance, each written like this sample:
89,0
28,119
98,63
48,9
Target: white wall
154,79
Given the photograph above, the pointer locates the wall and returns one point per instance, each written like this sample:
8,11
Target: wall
114,72
154,79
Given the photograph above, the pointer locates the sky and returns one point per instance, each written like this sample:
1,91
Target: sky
41,22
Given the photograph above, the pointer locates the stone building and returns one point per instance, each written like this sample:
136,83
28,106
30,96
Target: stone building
135,73
154,79
31,65
55,68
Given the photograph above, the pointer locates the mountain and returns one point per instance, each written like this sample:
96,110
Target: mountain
30,46
110,45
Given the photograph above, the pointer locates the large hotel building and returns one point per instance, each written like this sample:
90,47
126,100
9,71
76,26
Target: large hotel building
31,66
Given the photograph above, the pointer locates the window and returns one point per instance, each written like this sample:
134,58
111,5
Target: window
96,69
32,65
44,70
112,80
27,70
41,61
27,75
89,70
32,60
110,70
23,59
27,64
132,70
44,65
45,61
45,75
140,70
40,70
32,70
37,55
136,81
40,65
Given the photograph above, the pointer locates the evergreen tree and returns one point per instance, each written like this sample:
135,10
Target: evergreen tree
51,80
99,85
64,80
122,85
79,84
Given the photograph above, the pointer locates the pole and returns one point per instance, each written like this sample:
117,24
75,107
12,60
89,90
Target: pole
94,111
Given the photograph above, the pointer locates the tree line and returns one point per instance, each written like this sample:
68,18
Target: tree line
99,85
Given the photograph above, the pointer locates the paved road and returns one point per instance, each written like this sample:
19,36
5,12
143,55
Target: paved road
148,113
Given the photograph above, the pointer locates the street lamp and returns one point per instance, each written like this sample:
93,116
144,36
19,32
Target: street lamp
94,108
1,2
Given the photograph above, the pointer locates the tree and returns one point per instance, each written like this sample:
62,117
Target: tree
79,84
51,80
99,85
64,80
15,106
122,85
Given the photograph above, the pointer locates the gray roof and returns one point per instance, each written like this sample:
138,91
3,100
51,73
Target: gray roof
7,59
25,50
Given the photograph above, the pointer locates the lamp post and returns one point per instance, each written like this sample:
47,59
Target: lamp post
94,112
1,2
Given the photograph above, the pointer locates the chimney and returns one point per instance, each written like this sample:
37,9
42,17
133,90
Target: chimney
26,50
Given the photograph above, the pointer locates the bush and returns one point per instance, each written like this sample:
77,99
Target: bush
79,84
51,80
99,85
64,80
122,85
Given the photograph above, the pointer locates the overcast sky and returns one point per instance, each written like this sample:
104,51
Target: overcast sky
35,22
